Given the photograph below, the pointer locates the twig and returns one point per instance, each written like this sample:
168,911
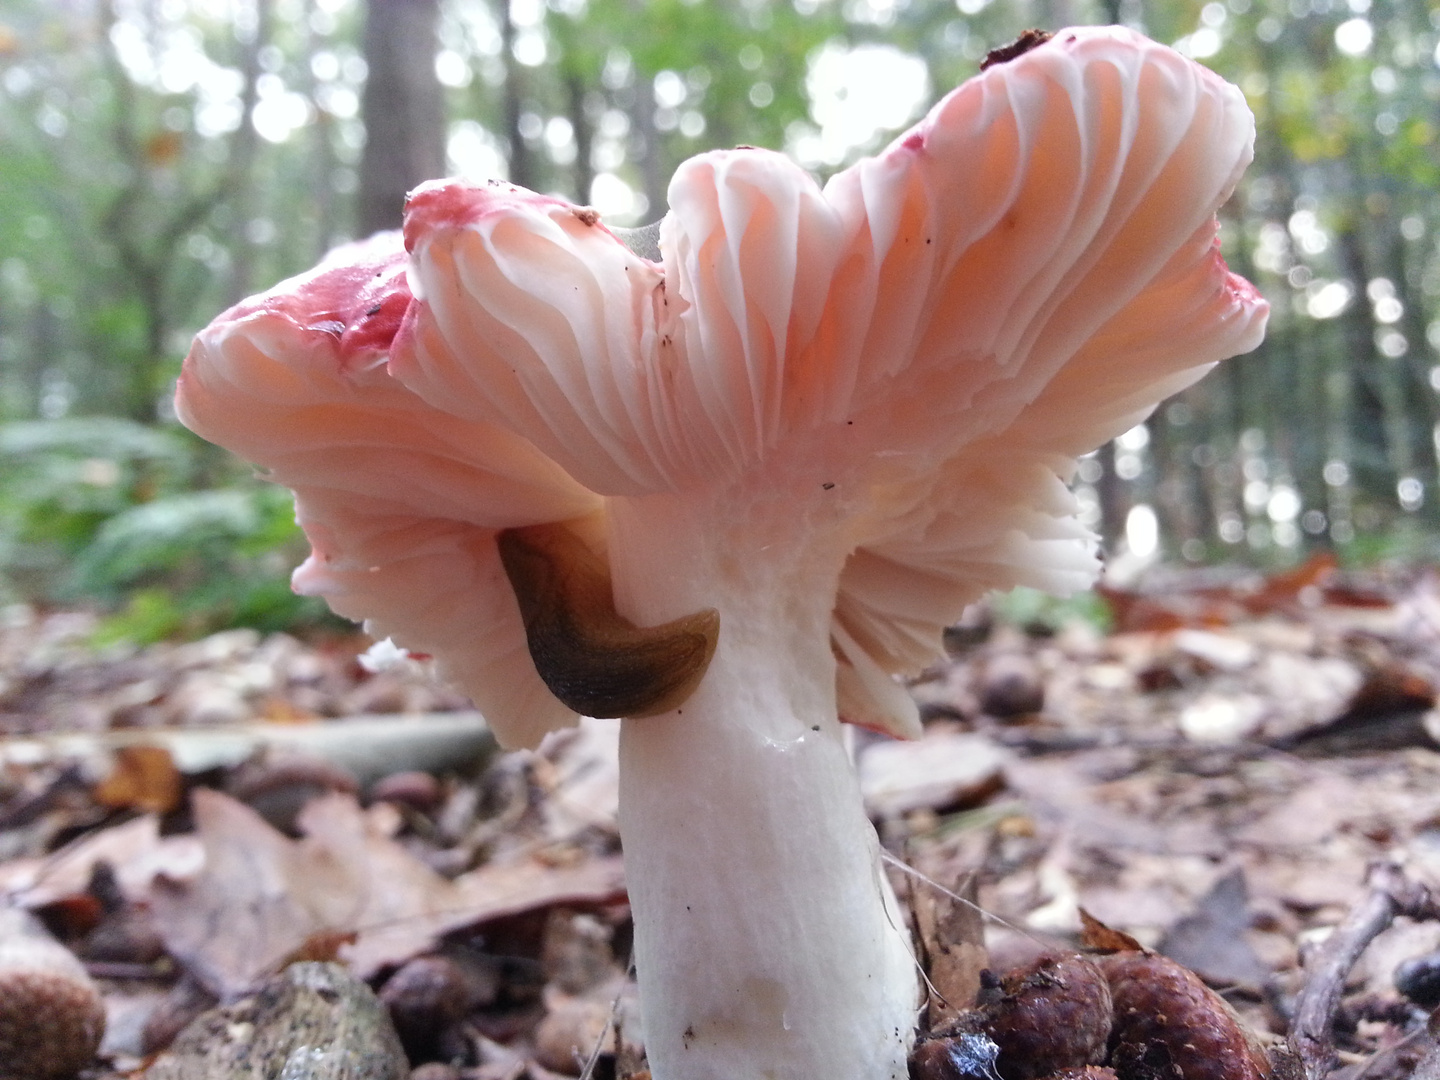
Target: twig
587,1072
1391,1060
1390,894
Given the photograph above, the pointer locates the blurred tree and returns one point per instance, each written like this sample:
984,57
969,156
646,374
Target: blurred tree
403,109
163,157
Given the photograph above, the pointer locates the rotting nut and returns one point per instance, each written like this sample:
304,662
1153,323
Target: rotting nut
1419,980
51,1014
1011,686
964,1056
1053,1013
425,996
1169,1023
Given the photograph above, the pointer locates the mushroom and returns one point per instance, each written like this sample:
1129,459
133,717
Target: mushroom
731,493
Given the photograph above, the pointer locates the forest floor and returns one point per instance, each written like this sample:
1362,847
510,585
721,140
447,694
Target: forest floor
1219,778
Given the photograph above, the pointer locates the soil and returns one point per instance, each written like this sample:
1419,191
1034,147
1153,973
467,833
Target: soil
1235,769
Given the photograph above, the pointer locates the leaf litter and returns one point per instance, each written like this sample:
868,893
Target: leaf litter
1236,770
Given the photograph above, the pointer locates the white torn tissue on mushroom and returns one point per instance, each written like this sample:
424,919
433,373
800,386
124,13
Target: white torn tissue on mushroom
743,485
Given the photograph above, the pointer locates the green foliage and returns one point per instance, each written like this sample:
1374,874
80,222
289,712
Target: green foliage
1039,612
1406,544
138,201
99,510
182,538
60,480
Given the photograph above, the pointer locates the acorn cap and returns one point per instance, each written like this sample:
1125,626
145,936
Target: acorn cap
51,1015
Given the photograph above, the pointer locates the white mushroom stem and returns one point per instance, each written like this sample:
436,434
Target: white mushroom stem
767,941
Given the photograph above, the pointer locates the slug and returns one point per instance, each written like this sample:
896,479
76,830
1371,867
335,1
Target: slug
591,657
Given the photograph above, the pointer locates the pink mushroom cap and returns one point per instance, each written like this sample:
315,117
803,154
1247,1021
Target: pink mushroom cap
932,339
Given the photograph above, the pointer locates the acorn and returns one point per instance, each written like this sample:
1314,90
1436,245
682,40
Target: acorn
1051,1014
51,1015
1169,1023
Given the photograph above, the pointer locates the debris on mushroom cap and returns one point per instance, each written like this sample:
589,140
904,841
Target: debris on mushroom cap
51,1015
917,353
1028,39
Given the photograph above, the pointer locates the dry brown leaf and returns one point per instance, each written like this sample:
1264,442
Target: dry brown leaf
135,850
943,771
258,898
952,936
406,917
143,778
263,897
1096,935
1211,940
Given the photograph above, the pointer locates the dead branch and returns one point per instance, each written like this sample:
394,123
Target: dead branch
1390,894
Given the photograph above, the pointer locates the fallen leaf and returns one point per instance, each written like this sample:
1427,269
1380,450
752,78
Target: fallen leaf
259,897
940,772
1097,936
492,891
143,778
134,849
262,897
952,934
1211,940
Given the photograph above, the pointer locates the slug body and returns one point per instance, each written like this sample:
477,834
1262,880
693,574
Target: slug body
592,658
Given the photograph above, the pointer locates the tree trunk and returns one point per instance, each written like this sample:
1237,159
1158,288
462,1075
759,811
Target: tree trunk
521,160
1114,500
243,150
645,145
322,155
575,91
403,107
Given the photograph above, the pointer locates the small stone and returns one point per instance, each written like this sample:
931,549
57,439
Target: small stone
312,1020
